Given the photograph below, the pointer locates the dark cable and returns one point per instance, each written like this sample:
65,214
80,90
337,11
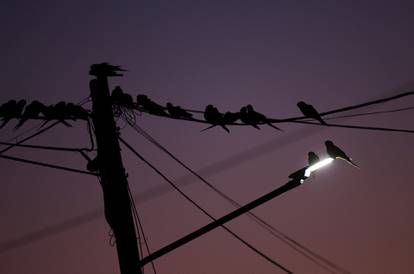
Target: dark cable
46,165
271,229
370,113
29,137
357,127
200,208
139,227
46,147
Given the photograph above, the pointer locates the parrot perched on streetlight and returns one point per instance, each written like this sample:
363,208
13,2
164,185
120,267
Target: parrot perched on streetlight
335,152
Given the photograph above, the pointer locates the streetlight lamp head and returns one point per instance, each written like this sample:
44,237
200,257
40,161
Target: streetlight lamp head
317,165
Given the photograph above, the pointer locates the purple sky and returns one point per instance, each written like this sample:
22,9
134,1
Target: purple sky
271,54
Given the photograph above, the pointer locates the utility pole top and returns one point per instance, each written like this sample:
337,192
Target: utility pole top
105,70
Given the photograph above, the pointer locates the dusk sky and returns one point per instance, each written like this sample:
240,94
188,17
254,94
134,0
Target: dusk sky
271,54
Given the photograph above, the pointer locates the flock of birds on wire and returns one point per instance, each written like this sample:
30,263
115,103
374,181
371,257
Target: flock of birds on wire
123,102
247,114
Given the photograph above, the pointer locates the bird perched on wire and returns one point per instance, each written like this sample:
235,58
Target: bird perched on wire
76,112
231,117
214,117
11,110
147,105
105,69
31,111
178,112
251,117
337,153
120,98
310,112
56,112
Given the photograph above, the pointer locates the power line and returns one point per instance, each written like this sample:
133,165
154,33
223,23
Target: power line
200,208
271,229
217,167
357,127
29,137
47,165
370,113
55,148
293,119
139,227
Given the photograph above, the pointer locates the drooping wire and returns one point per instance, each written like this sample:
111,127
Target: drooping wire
300,248
30,137
357,127
54,148
200,208
299,119
139,228
370,113
47,165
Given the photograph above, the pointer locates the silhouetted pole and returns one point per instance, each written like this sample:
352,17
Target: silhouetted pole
221,221
114,183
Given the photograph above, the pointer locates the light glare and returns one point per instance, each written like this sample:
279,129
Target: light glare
318,165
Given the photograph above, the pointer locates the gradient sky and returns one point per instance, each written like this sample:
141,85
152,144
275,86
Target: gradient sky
271,54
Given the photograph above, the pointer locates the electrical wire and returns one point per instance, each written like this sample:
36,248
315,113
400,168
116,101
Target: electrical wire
300,248
29,137
370,113
357,127
139,227
200,208
299,119
54,148
46,165
217,167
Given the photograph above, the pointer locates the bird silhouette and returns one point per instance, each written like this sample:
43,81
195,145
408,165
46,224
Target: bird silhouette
313,158
75,112
31,111
251,117
11,110
105,69
337,153
178,112
150,106
214,117
231,117
310,112
119,97
55,112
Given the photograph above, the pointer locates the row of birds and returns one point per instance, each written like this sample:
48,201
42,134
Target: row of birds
247,114
20,110
333,152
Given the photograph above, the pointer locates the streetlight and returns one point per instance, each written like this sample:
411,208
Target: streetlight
315,167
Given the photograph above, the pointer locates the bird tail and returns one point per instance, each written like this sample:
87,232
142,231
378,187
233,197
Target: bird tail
323,122
349,161
275,127
208,128
225,128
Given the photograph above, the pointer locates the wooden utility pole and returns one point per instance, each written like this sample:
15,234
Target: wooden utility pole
112,174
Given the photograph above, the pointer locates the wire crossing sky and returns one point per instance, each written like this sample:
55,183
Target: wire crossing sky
229,54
